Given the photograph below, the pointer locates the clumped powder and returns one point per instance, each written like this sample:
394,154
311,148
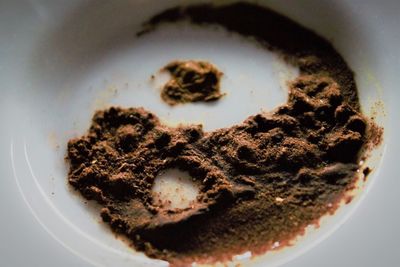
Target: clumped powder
191,81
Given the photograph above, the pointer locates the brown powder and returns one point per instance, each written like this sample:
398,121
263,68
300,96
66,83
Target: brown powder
261,182
191,81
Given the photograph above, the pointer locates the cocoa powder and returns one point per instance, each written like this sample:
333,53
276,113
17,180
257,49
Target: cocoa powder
261,181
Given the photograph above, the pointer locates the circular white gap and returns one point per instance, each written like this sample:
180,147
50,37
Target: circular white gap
174,189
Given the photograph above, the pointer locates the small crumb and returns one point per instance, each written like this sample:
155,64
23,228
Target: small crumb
243,256
367,171
276,245
279,199
348,199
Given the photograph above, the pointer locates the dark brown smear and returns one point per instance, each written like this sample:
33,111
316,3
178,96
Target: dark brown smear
262,181
191,81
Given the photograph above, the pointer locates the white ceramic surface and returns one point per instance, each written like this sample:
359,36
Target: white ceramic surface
61,60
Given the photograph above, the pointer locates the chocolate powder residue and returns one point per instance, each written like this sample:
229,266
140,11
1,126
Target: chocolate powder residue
191,81
261,182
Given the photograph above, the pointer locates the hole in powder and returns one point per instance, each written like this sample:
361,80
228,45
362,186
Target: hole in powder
174,189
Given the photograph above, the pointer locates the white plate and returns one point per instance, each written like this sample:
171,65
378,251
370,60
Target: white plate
60,61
